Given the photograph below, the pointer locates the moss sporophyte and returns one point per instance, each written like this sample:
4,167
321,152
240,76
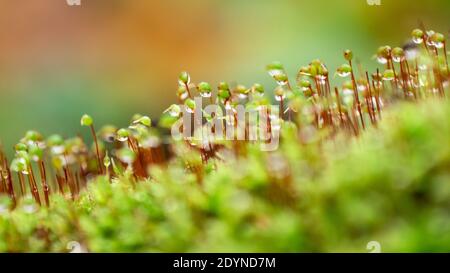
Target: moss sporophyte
211,123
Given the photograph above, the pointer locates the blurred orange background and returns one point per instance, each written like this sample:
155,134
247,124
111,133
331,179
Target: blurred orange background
114,58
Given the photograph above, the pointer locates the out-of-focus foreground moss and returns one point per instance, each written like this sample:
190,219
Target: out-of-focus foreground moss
391,185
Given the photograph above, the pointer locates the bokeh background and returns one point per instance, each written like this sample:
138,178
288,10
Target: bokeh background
113,58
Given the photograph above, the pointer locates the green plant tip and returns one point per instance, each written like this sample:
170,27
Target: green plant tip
281,77
86,120
35,152
304,83
275,66
224,94
348,55
174,110
223,86
388,75
204,88
182,92
122,134
417,36
55,140
344,70
20,147
417,33
438,40
107,161
190,104
184,78
19,164
258,88
33,136
144,120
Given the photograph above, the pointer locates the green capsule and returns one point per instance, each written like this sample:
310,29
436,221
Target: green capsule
174,110
19,164
398,54
344,70
33,136
144,120
438,40
55,140
348,55
274,66
20,147
417,36
184,78
86,120
258,88
190,105
204,89
122,135
223,86
388,75
35,152
106,161
182,92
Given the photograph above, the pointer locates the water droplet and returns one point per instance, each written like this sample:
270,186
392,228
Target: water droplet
280,98
343,74
205,94
397,59
275,72
150,142
382,60
417,40
361,87
184,95
57,149
3,209
438,44
423,67
347,92
30,208
411,54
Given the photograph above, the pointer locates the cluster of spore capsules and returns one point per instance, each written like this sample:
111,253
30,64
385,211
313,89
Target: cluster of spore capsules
42,167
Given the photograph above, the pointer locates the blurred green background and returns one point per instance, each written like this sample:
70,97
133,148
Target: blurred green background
117,57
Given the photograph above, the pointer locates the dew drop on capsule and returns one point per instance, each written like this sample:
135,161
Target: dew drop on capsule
242,95
382,60
174,110
417,40
417,36
205,94
122,135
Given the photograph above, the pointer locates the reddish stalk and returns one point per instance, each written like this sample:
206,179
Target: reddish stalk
60,184
94,135
10,184
281,107
3,184
188,90
33,185
336,91
370,100
22,183
377,99
44,184
67,179
355,91
445,56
